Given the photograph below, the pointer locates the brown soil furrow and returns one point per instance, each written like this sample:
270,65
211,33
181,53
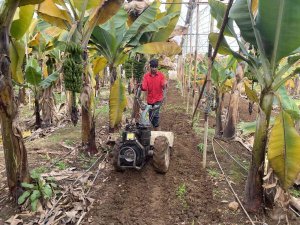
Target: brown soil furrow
145,197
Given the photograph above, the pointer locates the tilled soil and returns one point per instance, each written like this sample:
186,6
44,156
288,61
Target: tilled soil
184,195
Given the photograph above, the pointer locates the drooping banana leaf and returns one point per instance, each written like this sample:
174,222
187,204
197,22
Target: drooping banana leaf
220,74
99,15
217,10
288,104
147,17
251,94
239,12
106,43
250,127
99,64
116,25
117,102
32,76
154,27
247,127
17,54
279,28
21,25
49,80
163,48
51,13
164,34
224,48
108,37
283,150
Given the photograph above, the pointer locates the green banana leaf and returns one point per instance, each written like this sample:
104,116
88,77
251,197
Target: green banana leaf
217,10
20,26
164,34
117,102
105,42
220,74
278,25
99,15
152,28
247,127
283,150
33,73
147,17
116,26
224,48
288,104
49,80
239,12
250,127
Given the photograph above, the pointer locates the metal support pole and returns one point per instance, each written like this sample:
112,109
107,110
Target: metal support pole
195,56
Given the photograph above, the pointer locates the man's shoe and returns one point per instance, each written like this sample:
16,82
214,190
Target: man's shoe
156,129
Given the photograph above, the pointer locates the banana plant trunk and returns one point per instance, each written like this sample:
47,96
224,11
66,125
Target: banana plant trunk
88,135
254,189
22,96
232,117
14,149
219,109
48,106
88,122
48,103
113,77
38,121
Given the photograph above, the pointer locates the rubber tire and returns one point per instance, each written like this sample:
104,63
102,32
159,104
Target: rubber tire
161,154
116,150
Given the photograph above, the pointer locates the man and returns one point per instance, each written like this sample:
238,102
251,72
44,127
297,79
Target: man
154,83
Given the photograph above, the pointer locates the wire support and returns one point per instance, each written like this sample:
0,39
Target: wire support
231,156
234,193
294,211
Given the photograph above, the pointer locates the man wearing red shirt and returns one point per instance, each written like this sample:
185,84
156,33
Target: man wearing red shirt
154,83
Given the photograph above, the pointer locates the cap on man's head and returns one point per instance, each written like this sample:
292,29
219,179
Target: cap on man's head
153,63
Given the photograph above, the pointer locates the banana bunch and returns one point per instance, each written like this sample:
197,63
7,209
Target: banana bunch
128,68
73,67
135,67
139,68
74,48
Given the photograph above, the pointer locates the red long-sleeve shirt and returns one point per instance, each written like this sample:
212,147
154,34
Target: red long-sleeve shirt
154,85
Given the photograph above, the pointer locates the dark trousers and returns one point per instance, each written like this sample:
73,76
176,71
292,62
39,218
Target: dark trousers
154,115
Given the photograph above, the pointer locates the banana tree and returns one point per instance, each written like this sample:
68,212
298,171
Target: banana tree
272,31
37,83
14,149
79,18
221,75
232,116
115,41
44,50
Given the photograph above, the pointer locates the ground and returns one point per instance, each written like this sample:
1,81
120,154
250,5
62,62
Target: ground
186,194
